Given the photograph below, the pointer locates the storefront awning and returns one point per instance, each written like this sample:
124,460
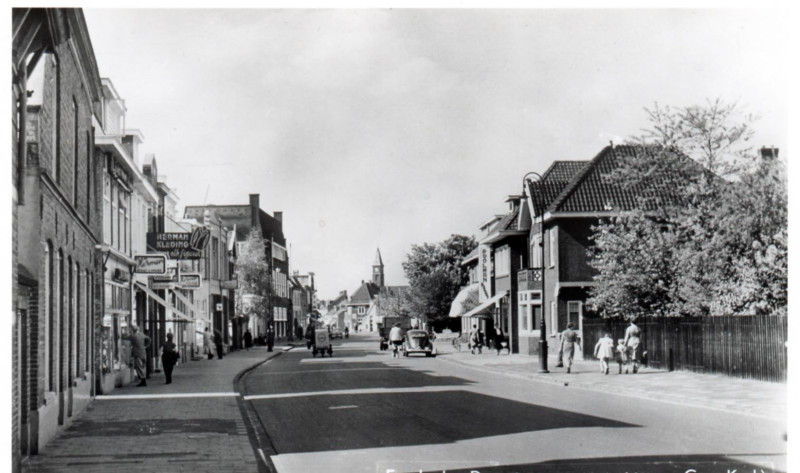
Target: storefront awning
157,298
486,306
186,301
457,306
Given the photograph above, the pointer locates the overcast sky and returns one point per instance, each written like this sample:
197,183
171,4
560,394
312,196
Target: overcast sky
386,128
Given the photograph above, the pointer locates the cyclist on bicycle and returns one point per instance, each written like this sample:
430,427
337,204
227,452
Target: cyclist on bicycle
396,339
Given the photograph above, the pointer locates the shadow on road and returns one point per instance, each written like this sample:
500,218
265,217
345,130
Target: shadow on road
355,421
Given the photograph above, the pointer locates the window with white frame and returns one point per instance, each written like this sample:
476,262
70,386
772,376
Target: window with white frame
552,247
574,312
530,311
501,260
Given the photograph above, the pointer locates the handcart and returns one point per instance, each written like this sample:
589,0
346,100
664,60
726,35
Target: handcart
322,344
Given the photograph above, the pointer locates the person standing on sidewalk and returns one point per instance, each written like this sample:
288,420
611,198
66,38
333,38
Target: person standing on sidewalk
218,343
604,351
569,338
169,357
248,339
270,337
476,340
632,342
207,342
139,343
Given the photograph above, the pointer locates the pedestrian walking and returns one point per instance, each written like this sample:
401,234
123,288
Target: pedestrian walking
569,338
139,343
500,341
248,339
632,343
218,343
476,340
169,357
604,351
622,355
270,337
207,343
149,359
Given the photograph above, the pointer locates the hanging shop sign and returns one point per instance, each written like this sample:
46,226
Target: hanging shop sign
219,307
230,284
189,281
175,245
169,281
150,264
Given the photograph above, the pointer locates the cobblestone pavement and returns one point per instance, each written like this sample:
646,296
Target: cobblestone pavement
192,425
743,396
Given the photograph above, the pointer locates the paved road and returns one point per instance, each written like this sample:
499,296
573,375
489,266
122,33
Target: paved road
362,410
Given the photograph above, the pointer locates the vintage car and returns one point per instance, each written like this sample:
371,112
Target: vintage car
418,341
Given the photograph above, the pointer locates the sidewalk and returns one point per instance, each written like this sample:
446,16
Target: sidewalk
192,425
743,396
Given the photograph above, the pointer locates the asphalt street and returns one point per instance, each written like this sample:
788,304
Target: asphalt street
362,410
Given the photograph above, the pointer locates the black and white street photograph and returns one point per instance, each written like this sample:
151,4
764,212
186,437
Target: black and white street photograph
459,237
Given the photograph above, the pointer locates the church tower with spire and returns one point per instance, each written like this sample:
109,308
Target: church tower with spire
377,270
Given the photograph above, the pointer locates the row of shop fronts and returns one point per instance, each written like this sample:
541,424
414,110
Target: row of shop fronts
99,244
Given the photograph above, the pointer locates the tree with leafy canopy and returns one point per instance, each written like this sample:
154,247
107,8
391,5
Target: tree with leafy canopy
719,245
435,276
252,271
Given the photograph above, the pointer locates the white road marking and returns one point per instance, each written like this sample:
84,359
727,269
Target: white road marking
163,396
356,391
342,407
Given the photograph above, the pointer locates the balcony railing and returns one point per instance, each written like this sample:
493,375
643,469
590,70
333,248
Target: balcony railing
529,279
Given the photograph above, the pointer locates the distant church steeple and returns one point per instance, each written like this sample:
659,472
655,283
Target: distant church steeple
377,269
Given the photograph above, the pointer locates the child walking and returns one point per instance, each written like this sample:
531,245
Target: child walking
604,351
622,355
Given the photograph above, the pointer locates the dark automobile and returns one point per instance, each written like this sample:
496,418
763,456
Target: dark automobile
418,341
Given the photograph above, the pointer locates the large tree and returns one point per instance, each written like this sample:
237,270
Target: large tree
719,246
435,276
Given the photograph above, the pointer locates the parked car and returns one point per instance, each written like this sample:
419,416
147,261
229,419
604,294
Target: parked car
418,341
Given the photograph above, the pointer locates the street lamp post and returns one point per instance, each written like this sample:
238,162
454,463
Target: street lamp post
542,325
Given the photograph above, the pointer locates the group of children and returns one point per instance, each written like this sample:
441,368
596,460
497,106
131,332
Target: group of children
604,351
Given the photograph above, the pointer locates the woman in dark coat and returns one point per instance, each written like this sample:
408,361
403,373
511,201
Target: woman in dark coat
169,357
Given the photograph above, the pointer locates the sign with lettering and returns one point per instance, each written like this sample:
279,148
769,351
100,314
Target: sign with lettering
189,281
167,281
231,284
150,264
176,245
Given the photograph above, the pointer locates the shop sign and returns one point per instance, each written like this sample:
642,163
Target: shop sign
151,264
163,282
231,284
219,307
176,245
189,281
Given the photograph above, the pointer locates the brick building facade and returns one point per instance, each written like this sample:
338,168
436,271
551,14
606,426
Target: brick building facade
56,91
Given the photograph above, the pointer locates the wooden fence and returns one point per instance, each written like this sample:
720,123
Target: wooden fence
744,347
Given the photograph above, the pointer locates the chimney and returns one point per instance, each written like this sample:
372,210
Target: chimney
254,210
278,216
769,153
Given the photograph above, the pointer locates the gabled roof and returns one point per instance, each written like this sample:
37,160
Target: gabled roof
554,180
365,293
472,256
592,191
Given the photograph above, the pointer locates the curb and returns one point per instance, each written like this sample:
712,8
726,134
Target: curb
256,432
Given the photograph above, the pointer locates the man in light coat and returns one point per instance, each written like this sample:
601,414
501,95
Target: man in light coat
139,344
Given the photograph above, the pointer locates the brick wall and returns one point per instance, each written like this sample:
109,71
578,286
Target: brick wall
56,211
